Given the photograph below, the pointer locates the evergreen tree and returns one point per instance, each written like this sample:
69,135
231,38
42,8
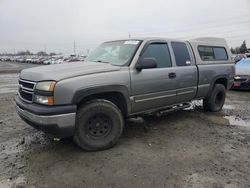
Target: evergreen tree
243,47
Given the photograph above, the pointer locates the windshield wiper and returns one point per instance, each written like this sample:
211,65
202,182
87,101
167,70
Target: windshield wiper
100,61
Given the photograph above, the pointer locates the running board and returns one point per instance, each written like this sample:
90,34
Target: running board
172,109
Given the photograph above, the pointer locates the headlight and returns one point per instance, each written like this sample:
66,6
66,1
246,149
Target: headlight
238,77
44,93
46,86
47,100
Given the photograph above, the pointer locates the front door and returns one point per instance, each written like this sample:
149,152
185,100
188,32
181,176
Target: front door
155,87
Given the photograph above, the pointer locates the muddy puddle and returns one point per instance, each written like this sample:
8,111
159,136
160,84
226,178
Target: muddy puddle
18,182
8,83
236,121
14,154
11,156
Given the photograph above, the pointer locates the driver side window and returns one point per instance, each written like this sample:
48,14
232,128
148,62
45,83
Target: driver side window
160,52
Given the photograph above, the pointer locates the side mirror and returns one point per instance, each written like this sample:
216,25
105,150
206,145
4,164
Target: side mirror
146,63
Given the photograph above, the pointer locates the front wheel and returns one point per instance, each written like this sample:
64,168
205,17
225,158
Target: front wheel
215,101
99,125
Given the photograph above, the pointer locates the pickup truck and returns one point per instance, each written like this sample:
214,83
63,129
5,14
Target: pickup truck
90,100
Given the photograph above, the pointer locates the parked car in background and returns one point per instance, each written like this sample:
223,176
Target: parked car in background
28,60
242,74
20,59
46,60
5,58
238,57
248,53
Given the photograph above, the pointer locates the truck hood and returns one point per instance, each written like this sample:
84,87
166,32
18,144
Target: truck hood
62,71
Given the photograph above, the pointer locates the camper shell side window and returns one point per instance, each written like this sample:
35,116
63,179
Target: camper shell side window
212,53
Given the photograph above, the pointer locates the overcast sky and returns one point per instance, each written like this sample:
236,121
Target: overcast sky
54,24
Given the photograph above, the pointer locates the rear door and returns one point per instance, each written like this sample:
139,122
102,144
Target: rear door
186,71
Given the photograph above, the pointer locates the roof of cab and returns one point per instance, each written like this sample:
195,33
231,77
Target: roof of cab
203,40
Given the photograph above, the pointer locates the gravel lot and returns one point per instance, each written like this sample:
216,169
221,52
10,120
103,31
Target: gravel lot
188,148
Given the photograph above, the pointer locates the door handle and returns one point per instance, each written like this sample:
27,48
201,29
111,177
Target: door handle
172,75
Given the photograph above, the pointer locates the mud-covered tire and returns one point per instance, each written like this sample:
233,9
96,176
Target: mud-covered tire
216,100
99,125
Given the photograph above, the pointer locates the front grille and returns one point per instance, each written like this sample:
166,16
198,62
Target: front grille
26,90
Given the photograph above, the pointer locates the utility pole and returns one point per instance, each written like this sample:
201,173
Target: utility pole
129,35
74,47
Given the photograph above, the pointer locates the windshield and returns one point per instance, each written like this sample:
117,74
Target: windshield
117,53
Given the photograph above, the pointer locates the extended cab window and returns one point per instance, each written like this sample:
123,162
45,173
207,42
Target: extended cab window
209,53
181,53
160,52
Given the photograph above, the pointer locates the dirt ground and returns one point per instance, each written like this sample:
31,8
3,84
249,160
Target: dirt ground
188,148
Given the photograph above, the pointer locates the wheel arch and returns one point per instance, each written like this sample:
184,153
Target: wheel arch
117,94
222,79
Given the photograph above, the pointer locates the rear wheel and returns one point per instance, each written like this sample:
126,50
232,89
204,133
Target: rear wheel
99,125
216,100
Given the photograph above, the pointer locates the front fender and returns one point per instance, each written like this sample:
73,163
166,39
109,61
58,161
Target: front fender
82,93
